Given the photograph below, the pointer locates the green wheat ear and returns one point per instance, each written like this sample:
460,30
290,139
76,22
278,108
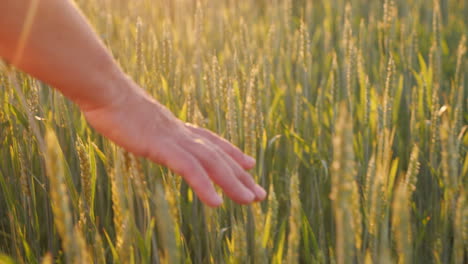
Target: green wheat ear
85,169
72,241
401,224
344,193
295,216
411,177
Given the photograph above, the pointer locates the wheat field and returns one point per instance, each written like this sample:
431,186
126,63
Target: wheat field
356,111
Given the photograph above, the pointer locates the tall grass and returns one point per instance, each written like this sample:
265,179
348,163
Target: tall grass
357,113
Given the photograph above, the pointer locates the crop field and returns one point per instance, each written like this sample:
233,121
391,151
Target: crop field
356,112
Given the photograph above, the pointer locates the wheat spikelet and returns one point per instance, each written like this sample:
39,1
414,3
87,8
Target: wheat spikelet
364,84
401,224
297,114
58,192
120,208
250,139
389,14
215,88
413,104
349,53
268,60
212,222
319,110
171,188
86,188
223,89
189,91
271,221
304,57
23,179
450,183
413,170
154,57
369,181
139,46
435,65
344,190
450,180
435,58
133,169
388,95
232,112
117,197
141,185
260,226
378,210
167,54
450,155
215,78
243,41
82,225
59,197
33,97
435,124
380,119
239,242
165,226
294,220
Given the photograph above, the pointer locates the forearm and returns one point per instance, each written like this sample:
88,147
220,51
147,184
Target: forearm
59,47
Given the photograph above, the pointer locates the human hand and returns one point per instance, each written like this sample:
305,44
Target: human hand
144,127
63,51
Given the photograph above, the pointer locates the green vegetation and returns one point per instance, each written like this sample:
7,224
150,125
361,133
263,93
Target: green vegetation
357,113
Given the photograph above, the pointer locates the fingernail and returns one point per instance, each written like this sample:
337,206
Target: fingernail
261,193
250,160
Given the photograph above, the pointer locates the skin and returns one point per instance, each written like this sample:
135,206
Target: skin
52,41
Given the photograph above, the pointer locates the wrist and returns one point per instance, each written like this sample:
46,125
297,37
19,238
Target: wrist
113,87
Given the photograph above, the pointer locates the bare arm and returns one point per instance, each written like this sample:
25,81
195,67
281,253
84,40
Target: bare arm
52,41
60,49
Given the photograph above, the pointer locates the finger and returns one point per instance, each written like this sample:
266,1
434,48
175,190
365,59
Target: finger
244,160
245,178
183,163
219,171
